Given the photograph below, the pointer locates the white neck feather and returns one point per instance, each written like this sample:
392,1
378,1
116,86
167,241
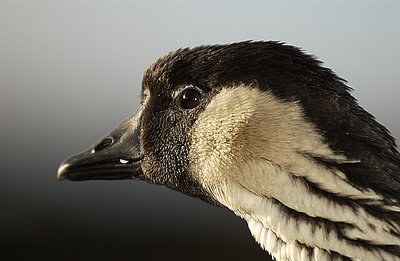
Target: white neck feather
252,152
311,236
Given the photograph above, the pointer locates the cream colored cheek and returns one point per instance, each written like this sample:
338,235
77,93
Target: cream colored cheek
218,136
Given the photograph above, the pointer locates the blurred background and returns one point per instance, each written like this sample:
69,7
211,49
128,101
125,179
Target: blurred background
71,70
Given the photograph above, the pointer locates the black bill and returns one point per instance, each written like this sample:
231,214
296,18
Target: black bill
115,157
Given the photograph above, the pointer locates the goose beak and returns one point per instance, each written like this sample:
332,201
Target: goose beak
117,156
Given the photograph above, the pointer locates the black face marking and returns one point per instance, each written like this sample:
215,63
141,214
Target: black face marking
168,115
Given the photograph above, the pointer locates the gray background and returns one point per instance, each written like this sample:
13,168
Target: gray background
71,70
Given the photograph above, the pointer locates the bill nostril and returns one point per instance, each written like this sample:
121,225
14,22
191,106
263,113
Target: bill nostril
106,142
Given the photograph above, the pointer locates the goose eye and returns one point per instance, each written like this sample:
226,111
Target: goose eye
189,98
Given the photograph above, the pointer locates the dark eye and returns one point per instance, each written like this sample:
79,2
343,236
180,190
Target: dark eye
189,98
